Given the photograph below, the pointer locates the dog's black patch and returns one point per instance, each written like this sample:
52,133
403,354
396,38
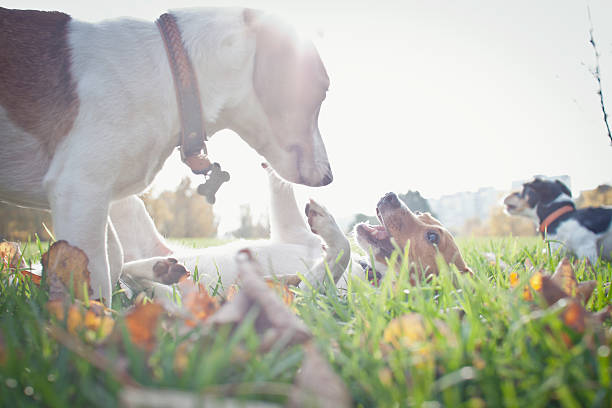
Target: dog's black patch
595,219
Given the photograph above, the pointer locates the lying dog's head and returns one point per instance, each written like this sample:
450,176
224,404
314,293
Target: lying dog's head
534,193
273,84
428,238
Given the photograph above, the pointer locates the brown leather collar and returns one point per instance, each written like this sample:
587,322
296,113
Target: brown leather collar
554,215
193,134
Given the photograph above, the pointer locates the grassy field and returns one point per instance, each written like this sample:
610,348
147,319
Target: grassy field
395,345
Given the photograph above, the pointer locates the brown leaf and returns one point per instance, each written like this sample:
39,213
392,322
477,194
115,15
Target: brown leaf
141,322
603,315
141,397
63,263
565,277
317,384
585,290
274,320
551,291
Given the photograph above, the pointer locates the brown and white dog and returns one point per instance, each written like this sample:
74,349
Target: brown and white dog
427,239
295,247
88,115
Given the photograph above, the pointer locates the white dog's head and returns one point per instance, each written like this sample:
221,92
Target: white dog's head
259,79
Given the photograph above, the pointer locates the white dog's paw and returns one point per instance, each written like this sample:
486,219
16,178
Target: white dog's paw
321,221
169,271
160,269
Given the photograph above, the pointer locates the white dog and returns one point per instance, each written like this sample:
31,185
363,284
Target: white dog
88,115
293,248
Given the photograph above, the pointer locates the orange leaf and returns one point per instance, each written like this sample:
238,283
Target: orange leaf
141,322
282,290
200,304
35,278
536,281
574,316
514,279
95,318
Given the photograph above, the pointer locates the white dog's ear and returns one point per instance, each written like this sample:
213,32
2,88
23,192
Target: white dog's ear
251,17
276,64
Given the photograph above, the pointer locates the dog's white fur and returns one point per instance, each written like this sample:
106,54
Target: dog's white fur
292,249
128,124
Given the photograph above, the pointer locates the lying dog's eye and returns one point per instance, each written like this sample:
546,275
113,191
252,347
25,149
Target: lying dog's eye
432,237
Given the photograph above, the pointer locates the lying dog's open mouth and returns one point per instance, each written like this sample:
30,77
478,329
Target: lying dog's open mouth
378,237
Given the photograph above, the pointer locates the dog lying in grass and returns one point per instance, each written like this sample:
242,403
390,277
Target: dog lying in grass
294,249
585,232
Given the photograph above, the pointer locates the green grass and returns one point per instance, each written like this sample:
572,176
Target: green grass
505,351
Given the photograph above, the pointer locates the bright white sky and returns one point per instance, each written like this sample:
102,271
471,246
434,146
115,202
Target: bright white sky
438,96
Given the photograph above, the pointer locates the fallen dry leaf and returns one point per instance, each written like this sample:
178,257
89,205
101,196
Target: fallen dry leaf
281,290
10,255
141,322
139,397
514,279
317,384
575,316
565,278
64,264
199,304
96,317
12,260
411,332
274,320
563,286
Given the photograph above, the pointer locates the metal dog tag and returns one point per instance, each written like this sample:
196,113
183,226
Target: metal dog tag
214,178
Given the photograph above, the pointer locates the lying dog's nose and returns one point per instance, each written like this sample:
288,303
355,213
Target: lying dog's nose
389,199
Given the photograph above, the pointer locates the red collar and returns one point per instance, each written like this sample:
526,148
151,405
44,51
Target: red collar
552,217
193,134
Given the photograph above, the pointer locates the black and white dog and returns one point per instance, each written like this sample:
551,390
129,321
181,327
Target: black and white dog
585,232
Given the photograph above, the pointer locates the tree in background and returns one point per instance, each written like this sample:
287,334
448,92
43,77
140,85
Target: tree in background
21,224
416,202
502,224
248,228
602,195
182,213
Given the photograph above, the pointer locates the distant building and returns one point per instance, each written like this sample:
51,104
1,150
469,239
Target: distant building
454,210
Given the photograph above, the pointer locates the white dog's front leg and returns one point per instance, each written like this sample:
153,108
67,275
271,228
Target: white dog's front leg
115,253
80,214
137,233
286,221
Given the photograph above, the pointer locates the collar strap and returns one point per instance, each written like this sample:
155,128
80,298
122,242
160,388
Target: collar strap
553,216
193,134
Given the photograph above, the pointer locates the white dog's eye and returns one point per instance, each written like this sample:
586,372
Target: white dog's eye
433,237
